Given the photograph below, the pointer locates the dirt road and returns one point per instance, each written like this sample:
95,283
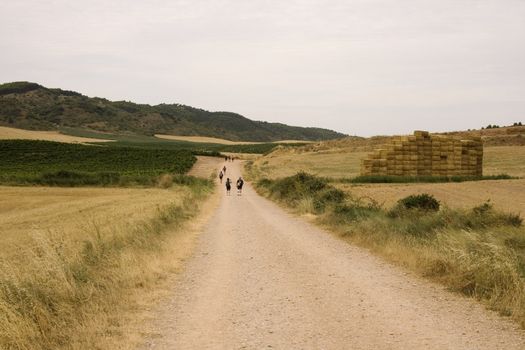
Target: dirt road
261,278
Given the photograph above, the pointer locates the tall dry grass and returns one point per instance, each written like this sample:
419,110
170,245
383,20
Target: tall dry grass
60,293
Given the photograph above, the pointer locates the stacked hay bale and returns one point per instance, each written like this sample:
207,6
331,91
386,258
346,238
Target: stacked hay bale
423,154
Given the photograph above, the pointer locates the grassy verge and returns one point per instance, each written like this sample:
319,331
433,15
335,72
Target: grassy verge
479,252
65,178
70,290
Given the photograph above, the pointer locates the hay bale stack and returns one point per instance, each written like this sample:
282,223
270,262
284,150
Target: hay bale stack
423,154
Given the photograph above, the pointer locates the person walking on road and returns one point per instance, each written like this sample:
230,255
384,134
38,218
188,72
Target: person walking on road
240,183
221,175
224,169
228,186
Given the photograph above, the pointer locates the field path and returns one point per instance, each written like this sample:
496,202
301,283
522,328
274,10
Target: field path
262,278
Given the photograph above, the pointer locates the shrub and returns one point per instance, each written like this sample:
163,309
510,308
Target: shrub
483,208
423,201
296,188
349,212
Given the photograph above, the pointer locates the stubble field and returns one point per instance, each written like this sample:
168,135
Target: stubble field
25,211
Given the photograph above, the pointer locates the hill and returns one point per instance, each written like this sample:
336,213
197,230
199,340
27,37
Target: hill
35,107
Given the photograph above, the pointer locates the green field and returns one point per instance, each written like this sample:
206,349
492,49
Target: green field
53,163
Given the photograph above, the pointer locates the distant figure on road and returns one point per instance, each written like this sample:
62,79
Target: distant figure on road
221,175
224,169
228,186
240,183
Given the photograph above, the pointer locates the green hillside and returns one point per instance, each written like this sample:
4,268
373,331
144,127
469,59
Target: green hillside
32,106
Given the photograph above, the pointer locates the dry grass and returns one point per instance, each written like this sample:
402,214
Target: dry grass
24,210
80,267
20,134
288,162
454,195
486,264
504,159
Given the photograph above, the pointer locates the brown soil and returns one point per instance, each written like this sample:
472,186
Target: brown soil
261,278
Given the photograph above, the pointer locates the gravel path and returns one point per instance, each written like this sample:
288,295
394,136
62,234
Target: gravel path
262,278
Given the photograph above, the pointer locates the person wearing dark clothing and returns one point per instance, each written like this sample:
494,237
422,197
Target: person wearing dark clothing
221,175
224,169
240,183
228,186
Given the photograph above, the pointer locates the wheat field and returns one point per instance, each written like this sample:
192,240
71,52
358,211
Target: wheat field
24,210
80,268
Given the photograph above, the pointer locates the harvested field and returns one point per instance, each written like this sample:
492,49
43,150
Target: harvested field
506,195
26,210
330,164
504,159
20,134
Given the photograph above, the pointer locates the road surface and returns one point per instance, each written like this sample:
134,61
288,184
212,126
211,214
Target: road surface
261,278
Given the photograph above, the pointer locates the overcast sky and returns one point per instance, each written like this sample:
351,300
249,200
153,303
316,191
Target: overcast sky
362,67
